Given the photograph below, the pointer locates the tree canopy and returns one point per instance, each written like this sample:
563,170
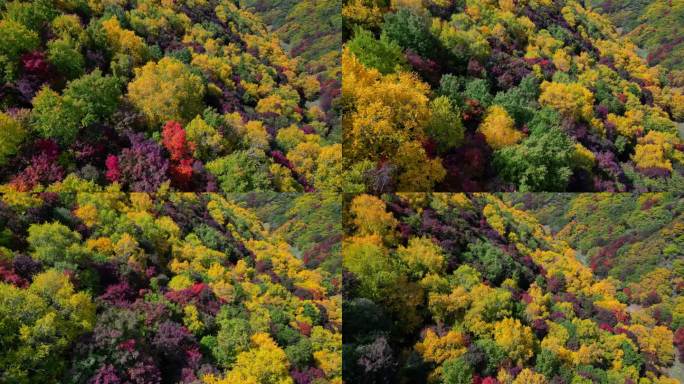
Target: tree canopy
513,288
88,87
184,288
482,80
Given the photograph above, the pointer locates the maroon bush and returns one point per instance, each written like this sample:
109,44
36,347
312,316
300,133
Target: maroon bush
106,375
143,168
35,63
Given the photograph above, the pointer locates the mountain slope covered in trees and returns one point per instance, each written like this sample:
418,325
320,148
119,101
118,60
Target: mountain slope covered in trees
617,235
657,27
531,95
461,289
170,288
311,29
199,91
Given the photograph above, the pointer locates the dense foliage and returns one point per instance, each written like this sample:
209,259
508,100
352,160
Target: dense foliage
463,289
618,235
170,288
310,29
87,87
656,26
528,95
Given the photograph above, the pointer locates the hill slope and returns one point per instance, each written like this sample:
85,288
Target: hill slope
501,95
312,29
619,235
180,288
459,289
657,27
199,90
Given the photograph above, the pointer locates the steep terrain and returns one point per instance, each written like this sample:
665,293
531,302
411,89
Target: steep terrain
531,95
619,235
311,29
657,27
176,288
202,92
461,289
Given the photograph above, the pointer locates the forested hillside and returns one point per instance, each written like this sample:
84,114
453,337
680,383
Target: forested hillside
618,235
461,289
530,95
310,29
113,288
192,95
657,26
624,14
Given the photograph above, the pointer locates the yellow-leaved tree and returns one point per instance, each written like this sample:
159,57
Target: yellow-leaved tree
571,100
167,90
515,339
11,136
124,41
422,256
439,349
656,150
498,128
389,110
263,363
388,118
370,216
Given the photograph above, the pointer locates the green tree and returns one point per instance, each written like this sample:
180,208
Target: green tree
632,356
544,120
452,87
478,89
52,117
382,281
231,340
493,356
208,141
547,363
38,326
542,162
300,353
12,134
410,31
34,14
53,243
445,125
15,39
371,265
85,101
383,54
241,171
457,371
520,101
66,58
95,96
495,264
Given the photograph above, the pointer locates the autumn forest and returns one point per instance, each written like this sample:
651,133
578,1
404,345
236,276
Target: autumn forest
513,288
341,192
528,95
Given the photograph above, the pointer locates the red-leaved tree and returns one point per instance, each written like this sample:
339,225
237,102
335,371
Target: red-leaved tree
180,149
